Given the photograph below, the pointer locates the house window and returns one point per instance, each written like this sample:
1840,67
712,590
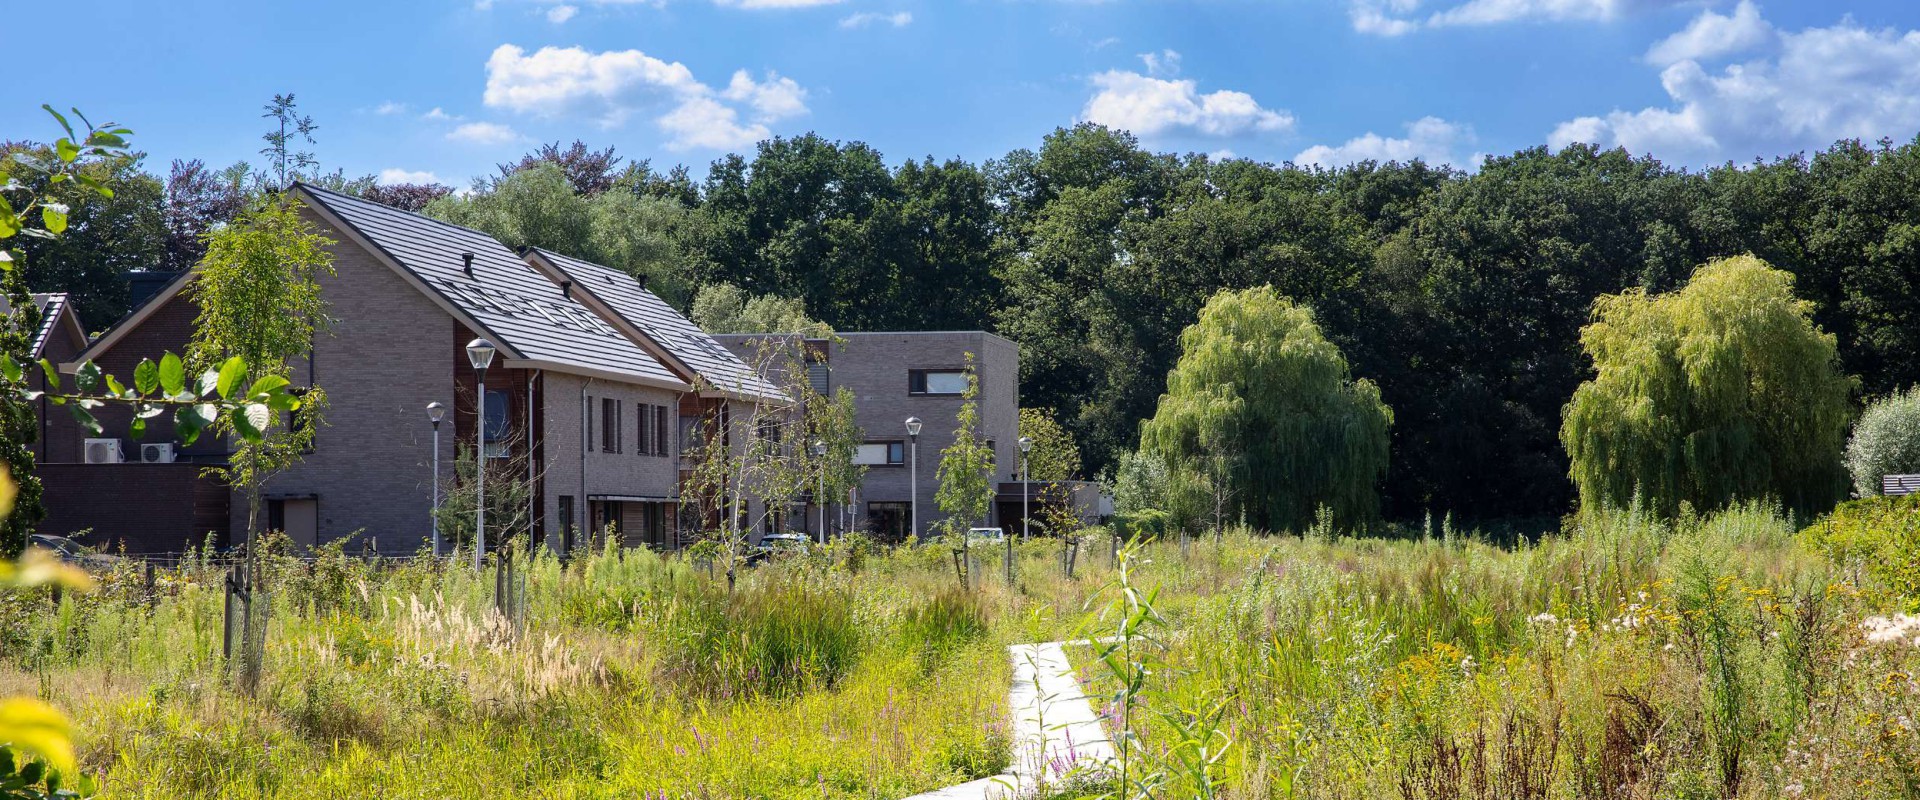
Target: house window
644,414
660,433
587,411
609,425
881,454
936,381
567,523
888,520
495,431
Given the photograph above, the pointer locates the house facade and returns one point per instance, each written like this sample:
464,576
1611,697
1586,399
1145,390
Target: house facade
584,397
895,376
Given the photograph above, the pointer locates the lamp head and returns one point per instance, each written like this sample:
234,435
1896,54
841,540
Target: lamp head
1026,444
913,426
436,412
819,448
480,353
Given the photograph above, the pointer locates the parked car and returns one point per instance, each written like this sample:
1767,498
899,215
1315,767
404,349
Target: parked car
978,537
778,544
72,552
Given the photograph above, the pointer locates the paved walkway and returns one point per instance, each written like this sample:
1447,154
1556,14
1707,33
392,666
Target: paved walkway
1056,728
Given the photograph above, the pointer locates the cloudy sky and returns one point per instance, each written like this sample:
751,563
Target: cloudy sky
444,89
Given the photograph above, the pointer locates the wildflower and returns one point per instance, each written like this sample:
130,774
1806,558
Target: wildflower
1544,618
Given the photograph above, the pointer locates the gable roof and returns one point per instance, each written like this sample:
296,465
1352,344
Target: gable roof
504,298
55,308
674,337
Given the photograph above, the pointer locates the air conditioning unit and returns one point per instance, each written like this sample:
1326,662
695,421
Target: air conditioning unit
156,453
104,451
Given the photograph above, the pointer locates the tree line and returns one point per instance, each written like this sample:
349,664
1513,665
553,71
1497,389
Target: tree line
1460,295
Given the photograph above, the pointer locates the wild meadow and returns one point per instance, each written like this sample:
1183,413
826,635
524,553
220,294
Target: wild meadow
1621,656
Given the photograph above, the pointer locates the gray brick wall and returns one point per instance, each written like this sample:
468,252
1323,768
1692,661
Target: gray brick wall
875,367
630,472
384,360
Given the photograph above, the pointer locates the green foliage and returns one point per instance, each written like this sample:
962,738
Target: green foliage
1145,523
1877,535
1263,421
1054,456
1885,441
1139,482
943,624
778,639
966,467
724,308
1719,392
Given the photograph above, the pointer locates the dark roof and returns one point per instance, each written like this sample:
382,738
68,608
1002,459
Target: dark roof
674,333
525,314
51,306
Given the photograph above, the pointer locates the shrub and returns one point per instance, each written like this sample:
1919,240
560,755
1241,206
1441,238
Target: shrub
1146,523
1880,535
1886,441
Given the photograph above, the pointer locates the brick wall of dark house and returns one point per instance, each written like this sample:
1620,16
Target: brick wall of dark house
141,508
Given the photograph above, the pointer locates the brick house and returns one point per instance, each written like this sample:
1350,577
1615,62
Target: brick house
591,377
901,374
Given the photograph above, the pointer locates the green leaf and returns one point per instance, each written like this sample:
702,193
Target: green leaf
10,368
67,150
251,425
146,377
208,380
173,374
231,374
54,216
139,427
53,375
88,377
9,223
114,388
85,418
266,386
57,117
188,421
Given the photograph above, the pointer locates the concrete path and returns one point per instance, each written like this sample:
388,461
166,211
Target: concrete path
1056,728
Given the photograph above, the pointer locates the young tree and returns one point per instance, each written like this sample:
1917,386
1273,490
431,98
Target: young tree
259,296
1886,441
290,127
1720,392
833,422
965,473
1263,421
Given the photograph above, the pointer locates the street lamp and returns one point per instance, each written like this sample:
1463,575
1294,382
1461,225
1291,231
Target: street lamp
1026,518
480,354
913,475
435,413
820,497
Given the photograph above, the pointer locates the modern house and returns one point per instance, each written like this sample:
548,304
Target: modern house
896,376
592,381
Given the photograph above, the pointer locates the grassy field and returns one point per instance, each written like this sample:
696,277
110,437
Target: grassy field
1621,657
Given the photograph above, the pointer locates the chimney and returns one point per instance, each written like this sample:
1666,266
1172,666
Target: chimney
466,263
142,285
566,289
641,279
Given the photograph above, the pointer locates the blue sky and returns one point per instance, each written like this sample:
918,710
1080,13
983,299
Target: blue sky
447,89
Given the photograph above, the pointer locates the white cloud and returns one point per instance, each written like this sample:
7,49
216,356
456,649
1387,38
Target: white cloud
898,19
1164,64
1713,34
614,85
1400,17
1430,139
1148,106
390,108
559,14
483,133
1813,86
438,115
777,98
393,175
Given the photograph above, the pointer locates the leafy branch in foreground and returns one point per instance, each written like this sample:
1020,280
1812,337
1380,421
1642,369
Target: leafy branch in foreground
162,387
15,217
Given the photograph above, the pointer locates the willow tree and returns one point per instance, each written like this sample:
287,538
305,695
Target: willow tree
1263,421
1719,392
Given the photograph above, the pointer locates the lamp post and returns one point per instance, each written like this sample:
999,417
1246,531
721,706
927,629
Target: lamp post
480,354
913,476
1026,518
820,497
435,413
